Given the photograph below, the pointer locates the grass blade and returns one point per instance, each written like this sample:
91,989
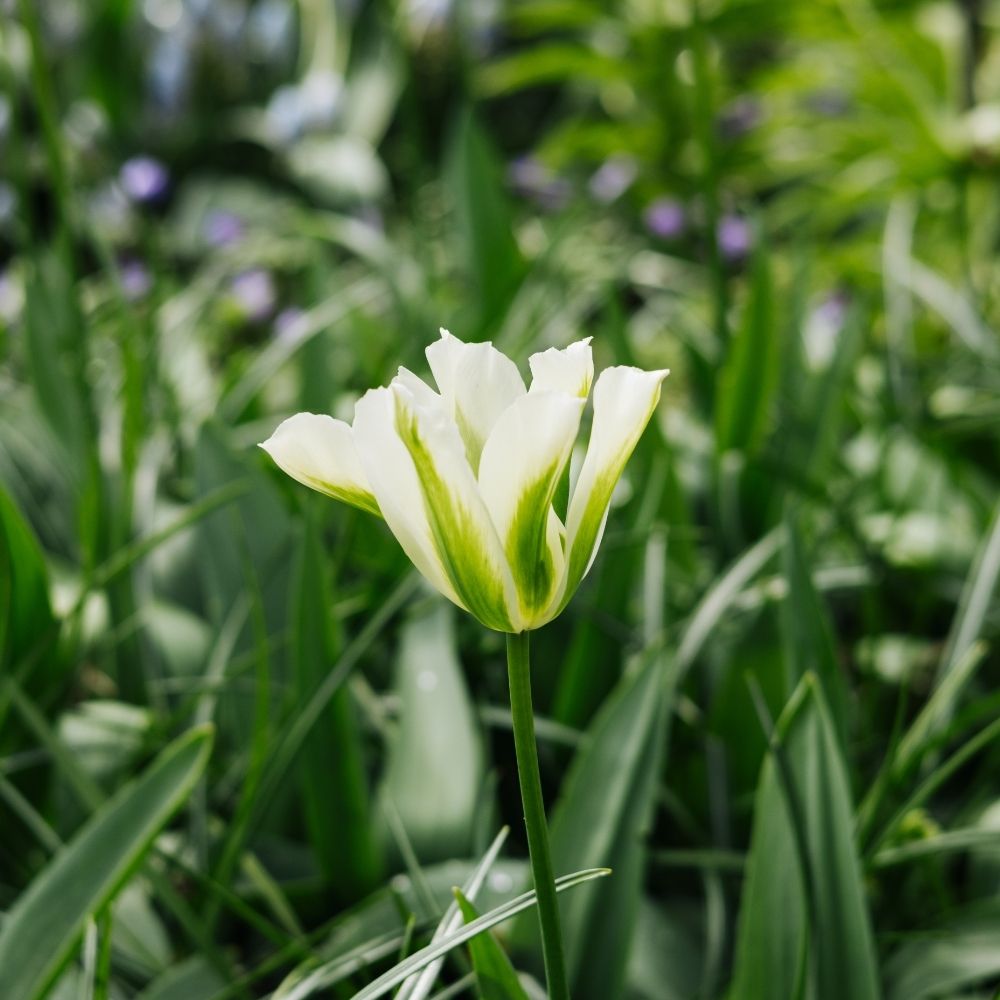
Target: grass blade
44,925
495,976
803,812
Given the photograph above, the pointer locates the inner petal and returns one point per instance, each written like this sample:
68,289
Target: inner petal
477,383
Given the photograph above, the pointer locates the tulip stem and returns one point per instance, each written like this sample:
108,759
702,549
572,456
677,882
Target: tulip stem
519,675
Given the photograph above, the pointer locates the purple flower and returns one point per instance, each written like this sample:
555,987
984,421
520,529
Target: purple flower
823,326
531,179
734,237
833,309
136,281
830,103
613,178
144,179
739,117
222,228
665,218
286,321
254,293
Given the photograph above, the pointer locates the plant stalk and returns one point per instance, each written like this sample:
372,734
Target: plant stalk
519,676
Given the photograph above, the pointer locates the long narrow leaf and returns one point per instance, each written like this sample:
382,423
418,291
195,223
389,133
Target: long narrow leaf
42,928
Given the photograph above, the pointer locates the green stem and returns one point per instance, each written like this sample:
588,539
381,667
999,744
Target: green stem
519,674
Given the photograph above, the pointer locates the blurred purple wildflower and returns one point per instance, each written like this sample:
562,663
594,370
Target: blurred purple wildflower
613,178
531,179
665,218
136,281
829,103
739,117
833,309
286,320
734,237
222,229
254,293
144,179
823,326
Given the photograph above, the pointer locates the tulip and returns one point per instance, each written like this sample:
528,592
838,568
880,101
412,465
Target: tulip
466,476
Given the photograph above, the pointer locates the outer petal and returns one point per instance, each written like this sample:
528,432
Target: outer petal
570,370
522,462
319,452
477,384
422,464
624,400
394,481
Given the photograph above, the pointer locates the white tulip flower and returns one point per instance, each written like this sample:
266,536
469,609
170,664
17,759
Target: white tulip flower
465,477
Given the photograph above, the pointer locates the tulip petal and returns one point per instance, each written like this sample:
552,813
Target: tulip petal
319,452
570,370
460,523
420,390
522,462
395,483
477,383
624,400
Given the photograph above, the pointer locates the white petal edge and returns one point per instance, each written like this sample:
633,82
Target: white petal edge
522,462
319,452
477,383
569,370
624,401
394,482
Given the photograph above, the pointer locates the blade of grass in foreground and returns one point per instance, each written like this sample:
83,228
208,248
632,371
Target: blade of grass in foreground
495,976
42,927
420,985
804,919
403,970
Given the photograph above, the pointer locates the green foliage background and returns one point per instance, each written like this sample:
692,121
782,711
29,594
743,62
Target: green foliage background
244,753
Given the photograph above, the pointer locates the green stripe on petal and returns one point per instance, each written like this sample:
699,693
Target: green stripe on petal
319,452
624,401
463,533
522,463
396,485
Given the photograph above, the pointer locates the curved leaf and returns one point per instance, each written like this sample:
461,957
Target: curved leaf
41,929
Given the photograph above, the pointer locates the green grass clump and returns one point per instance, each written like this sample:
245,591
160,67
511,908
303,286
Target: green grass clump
244,754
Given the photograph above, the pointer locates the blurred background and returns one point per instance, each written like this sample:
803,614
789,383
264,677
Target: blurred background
772,707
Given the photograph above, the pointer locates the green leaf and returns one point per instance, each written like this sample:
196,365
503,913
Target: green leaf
25,614
193,979
425,956
55,353
804,920
545,64
948,963
418,987
484,219
434,775
750,376
601,819
333,782
976,599
808,635
41,929
495,976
